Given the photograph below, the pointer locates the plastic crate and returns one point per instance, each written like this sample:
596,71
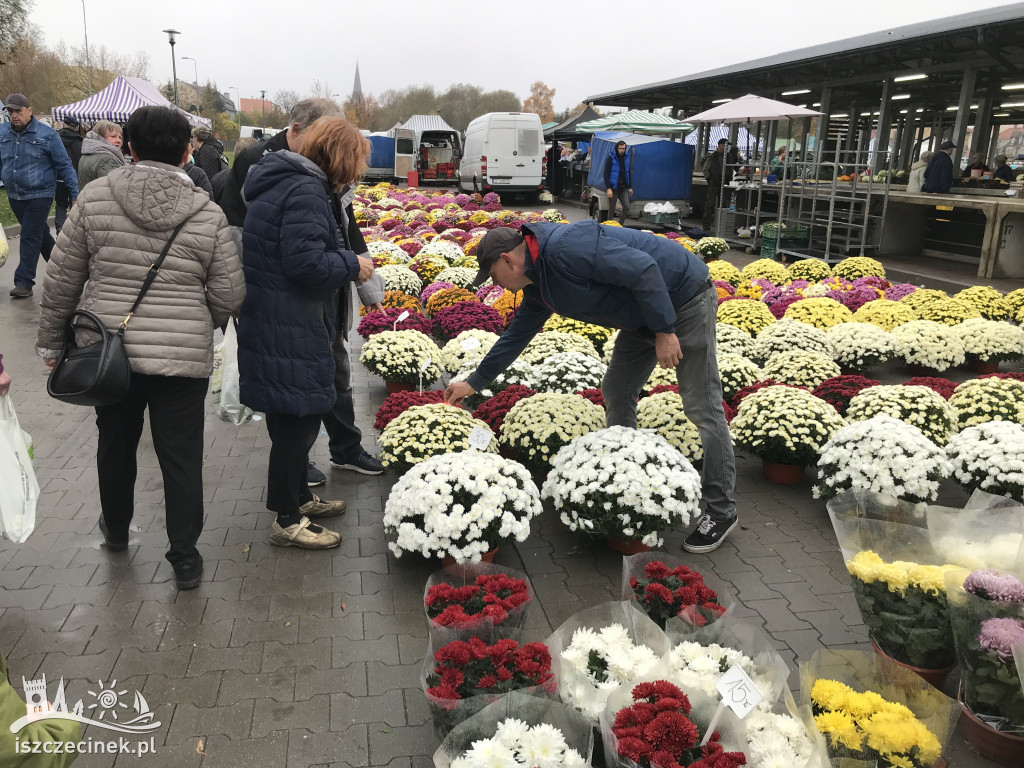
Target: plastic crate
661,218
769,247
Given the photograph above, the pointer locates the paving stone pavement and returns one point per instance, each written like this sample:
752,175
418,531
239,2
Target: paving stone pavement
290,658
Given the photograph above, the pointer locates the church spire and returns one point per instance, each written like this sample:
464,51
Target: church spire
357,87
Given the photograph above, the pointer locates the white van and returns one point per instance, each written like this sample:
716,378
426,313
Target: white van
504,152
255,132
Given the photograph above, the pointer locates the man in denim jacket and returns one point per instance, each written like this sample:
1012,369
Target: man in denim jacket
32,159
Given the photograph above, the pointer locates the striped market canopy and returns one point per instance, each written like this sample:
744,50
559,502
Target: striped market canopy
635,121
118,100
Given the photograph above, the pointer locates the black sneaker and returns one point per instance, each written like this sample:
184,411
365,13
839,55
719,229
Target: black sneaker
21,292
709,534
188,577
314,477
111,543
364,464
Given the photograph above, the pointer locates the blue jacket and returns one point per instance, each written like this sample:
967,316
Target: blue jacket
611,171
938,176
610,276
31,162
294,265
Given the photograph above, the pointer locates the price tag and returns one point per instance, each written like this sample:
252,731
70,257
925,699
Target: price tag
469,344
480,438
738,691
426,364
399,319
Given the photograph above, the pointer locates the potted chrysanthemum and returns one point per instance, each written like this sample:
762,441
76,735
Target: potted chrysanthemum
460,506
885,314
801,369
987,343
885,456
548,343
980,400
623,484
404,359
990,457
663,412
853,267
768,269
423,431
929,347
568,372
537,427
746,314
859,346
786,427
918,406
597,334
735,372
821,312
789,335
400,278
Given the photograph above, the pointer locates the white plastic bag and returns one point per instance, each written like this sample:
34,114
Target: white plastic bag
4,247
230,407
19,490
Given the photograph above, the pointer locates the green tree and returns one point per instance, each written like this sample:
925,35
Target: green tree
224,127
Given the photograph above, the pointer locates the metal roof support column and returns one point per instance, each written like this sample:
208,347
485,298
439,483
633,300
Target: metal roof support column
963,112
803,138
883,127
821,135
920,142
734,133
983,125
907,149
897,144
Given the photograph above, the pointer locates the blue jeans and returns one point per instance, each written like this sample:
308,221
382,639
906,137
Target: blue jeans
699,385
35,236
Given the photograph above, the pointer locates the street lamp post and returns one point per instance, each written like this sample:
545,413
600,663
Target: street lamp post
263,103
195,69
88,60
174,63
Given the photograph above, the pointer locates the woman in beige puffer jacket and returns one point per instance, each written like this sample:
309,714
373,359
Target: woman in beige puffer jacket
112,237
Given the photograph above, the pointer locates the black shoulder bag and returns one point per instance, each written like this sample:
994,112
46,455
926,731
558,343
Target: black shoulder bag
98,374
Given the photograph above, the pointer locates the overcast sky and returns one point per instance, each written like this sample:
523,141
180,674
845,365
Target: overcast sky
579,49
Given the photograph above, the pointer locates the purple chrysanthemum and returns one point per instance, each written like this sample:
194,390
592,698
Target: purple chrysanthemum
1000,635
872,281
857,297
899,290
433,288
995,586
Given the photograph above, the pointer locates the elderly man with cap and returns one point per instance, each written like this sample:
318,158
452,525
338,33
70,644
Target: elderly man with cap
32,160
659,296
938,176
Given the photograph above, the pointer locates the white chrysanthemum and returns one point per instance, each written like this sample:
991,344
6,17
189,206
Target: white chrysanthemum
918,406
788,335
446,249
664,414
537,427
386,248
467,349
731,340
991,340
859,346
930,344
462,277
883,455
784,425
400,278
990,457
548,343
459,504
801,369
980,400
643,484
568,372
736,373
401,356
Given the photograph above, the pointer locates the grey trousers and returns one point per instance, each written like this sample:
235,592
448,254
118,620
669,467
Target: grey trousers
622,196
700,387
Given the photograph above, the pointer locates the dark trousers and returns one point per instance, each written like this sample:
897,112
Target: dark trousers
62,202
345,438
35,236
291,437
176,412
711,203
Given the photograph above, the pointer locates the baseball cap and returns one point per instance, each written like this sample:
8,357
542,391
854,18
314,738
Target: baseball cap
947,144
71,121
17,101
496,242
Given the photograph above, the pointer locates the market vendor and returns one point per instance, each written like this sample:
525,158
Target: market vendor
1003,170
778,164
977,164
660,297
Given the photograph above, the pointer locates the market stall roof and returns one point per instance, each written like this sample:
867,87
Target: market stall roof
118,100
991,41
635,121
750,108
715,132
567,130
549,126
427,123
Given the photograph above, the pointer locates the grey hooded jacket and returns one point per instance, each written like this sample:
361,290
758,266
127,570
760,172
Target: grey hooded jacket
99,157
111,239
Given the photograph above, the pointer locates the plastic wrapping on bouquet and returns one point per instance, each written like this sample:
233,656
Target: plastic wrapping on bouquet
987,533
486,628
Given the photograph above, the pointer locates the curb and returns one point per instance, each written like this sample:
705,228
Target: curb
15,229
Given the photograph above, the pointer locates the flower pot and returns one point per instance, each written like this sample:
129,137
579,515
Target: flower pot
784,474
627,546
397,386
486,557
935,677
1003,748
982,366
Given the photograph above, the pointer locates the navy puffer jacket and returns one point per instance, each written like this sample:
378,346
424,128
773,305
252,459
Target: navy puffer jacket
294,265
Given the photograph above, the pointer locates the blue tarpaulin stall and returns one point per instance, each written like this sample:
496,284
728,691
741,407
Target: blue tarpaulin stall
382,151
662,169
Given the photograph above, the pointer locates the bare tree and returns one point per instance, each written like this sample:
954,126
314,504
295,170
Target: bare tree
286,100
13,21
361,110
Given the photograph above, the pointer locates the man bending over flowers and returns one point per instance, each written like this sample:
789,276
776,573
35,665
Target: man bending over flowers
660,297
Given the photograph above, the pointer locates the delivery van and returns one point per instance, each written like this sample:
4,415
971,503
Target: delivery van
504,152
428,145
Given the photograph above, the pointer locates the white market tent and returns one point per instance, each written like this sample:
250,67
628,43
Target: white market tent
716,132
635,121
118,100
750,109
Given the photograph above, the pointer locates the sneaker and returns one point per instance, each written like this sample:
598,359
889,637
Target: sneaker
314,477
305,535
364,464
21,292
320,508
111,543
190,576
709,534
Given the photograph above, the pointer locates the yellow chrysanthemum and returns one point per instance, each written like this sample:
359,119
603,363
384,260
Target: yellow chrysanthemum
830,694
840,729
508,302
723,270
885,314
